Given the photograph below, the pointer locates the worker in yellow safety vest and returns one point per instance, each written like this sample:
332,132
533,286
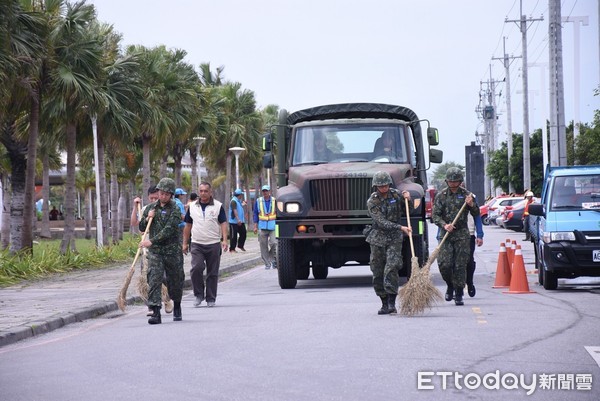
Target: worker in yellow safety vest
264,220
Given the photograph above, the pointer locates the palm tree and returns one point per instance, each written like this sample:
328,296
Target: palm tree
78,61
23,34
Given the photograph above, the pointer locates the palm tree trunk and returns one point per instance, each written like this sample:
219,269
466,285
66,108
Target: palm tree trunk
6,201
194,159
69,214
114,203
29,202
103,189
18,164
177,170
45,228
228,181
122,213
88,214
163,166
145,164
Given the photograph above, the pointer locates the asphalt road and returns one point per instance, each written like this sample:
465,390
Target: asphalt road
325,341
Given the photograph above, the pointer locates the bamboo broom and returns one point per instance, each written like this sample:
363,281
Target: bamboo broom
142,283
122,298
420,293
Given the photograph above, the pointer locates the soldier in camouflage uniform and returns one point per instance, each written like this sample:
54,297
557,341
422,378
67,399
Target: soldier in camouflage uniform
386,206
164,250
454,254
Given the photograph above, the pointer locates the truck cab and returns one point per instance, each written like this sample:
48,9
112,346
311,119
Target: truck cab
565,224
326,159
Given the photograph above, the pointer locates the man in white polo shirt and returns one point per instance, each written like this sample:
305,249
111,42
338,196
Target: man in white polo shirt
206,222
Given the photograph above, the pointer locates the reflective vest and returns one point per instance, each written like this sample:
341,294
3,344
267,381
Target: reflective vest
266,218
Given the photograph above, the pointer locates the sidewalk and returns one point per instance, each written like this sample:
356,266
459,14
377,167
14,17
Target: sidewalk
36,307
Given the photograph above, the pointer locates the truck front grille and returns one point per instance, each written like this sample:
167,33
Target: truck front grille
338,194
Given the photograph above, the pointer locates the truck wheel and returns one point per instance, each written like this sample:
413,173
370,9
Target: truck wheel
320,272
550,280
302,272
285,264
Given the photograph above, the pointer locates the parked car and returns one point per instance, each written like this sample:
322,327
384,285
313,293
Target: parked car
495,209
512,216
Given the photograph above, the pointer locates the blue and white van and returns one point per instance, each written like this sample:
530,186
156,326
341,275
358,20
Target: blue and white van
565,225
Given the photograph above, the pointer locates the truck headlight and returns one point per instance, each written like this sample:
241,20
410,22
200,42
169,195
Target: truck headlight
292,207
559,236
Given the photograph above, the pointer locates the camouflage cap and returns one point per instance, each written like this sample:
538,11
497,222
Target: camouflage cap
166,185
454,174
382,178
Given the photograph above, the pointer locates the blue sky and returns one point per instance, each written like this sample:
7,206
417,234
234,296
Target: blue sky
428,55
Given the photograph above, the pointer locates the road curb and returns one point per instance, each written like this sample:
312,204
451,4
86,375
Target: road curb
55,322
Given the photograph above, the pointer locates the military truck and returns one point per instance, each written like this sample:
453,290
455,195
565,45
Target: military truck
322,193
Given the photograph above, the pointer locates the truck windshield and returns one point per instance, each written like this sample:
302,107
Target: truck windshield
576,193
384,143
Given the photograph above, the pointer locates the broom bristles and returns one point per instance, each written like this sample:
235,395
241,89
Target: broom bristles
142,283
418,294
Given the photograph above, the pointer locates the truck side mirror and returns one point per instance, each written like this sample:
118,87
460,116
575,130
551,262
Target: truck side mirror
432,136
536,209
267,142
436,156
268,160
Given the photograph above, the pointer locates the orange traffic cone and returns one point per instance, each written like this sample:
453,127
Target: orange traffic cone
510,252
518,281
502,269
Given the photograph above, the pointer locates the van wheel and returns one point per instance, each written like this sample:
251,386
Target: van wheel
550,281
286,271
538,265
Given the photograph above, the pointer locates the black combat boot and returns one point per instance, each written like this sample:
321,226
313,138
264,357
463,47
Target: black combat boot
449,293
384,306
471,289
458,299
392,303
177,311
155,318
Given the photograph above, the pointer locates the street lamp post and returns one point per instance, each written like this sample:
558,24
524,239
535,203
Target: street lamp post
99,230
199,141
236,151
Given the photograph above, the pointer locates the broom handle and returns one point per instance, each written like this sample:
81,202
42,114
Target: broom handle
453,223
132,268
412,246
143,238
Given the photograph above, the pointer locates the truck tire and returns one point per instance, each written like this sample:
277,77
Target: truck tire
550,280
286,270
303,271
320,272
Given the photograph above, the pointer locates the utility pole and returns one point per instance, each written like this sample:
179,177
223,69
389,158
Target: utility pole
585,22
488,114
558,132
509,142
526,157
543,68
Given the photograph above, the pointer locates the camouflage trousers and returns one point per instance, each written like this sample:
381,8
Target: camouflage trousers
386,262
453,259
170,265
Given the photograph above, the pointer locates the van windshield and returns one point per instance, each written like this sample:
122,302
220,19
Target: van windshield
383,143
576,193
